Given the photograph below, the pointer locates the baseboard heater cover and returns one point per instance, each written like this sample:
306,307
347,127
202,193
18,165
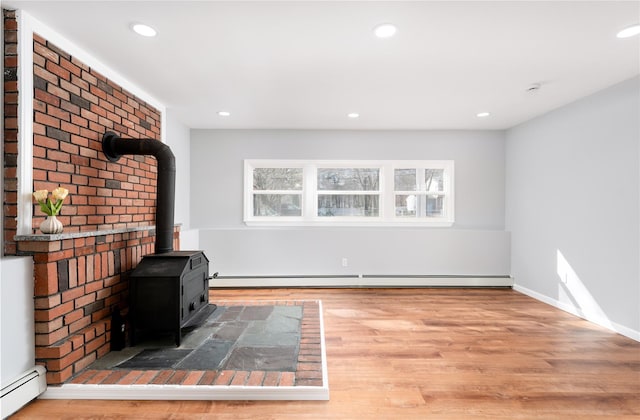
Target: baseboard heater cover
23,389
363,280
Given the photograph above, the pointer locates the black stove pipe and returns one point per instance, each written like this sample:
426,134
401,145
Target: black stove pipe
114,147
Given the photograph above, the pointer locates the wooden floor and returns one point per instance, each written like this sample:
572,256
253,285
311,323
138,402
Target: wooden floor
429,353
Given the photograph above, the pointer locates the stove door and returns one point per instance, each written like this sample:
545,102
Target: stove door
194,293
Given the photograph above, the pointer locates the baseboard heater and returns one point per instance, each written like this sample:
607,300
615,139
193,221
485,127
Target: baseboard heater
363,280
23,389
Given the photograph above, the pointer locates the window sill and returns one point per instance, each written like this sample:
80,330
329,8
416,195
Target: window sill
347,223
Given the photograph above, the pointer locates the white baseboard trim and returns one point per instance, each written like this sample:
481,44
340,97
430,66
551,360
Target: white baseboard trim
362,281
23,389
603,322
182,392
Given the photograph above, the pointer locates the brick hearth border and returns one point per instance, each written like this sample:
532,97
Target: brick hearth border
310,372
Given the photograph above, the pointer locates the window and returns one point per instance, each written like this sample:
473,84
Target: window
385,193
277,192
420,192
348,192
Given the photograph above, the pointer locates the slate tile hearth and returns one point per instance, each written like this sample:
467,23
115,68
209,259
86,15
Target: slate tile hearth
263,358
240,343
239,338
155,359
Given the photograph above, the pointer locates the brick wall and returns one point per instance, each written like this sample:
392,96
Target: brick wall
78,282
80,277
73,107
10,158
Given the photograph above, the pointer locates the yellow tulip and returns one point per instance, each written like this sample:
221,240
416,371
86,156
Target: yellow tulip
41,195
60,193
48,206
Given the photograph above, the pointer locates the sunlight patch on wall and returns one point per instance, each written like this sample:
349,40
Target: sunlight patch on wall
573,290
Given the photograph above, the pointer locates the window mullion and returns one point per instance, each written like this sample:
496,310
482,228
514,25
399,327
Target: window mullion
310,199
283,192
248,190
348,192
387,193
421,197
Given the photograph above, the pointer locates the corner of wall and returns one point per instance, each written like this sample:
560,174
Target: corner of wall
571,248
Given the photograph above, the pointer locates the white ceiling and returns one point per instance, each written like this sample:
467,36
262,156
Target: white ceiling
306,64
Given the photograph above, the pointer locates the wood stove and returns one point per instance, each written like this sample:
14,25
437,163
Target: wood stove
168,289
168,292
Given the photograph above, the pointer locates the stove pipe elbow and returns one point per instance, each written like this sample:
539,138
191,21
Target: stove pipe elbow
114,147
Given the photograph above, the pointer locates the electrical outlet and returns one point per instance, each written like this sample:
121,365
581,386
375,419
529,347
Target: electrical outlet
345,262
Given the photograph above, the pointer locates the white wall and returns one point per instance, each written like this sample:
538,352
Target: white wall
217,162
476,245
573,207
177,138
17,337
17,341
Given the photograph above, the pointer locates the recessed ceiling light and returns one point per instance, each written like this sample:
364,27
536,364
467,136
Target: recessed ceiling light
384,30
629,31
143,30
482,114
224,113
353,115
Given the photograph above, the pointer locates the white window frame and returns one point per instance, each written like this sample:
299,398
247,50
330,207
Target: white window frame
448,189
249,166
387,193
